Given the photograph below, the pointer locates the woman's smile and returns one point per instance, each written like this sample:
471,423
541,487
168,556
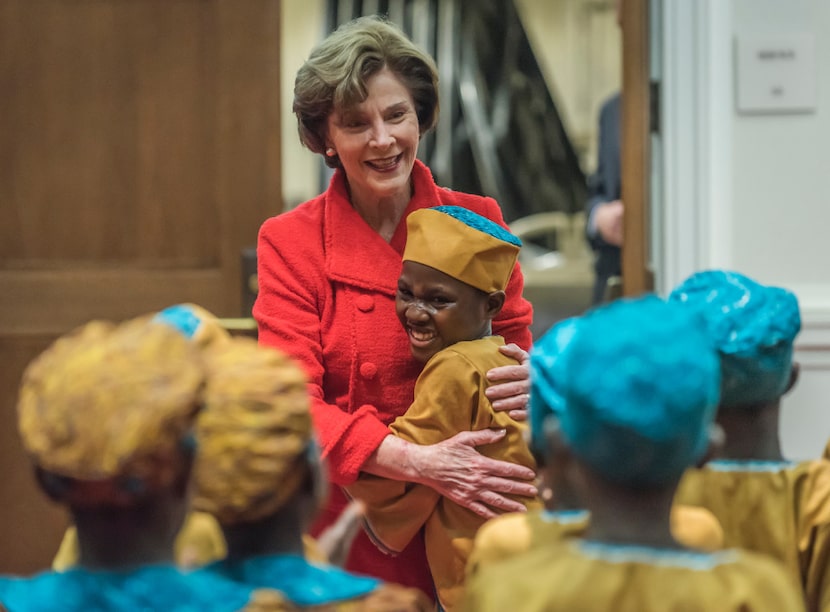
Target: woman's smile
385,164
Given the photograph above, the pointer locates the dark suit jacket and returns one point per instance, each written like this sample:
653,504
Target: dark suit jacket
605,186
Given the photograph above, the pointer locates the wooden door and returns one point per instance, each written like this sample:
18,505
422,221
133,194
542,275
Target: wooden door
637,275
139,153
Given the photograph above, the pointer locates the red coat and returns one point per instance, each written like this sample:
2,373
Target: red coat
327,284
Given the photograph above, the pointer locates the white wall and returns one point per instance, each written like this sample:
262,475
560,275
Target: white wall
749,192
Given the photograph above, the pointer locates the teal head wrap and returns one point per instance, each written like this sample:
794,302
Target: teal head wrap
639,384
546,371
753,326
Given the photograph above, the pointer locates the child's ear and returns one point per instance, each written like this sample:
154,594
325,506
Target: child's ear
717,439
495,302
794,372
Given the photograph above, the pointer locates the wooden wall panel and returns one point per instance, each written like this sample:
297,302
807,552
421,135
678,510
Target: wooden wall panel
635,158
31,525
139,154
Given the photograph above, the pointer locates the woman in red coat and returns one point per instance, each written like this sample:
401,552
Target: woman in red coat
328,274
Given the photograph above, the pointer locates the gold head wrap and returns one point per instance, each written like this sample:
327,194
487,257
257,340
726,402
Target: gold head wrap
254,430
462,244
109,407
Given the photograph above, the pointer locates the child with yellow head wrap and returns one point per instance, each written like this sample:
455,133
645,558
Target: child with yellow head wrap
199,540
258,472
105,414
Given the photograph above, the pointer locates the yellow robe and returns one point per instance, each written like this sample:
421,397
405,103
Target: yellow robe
449,398
512,534
573,575
780,509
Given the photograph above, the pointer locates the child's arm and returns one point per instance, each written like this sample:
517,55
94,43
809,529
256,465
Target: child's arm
447,391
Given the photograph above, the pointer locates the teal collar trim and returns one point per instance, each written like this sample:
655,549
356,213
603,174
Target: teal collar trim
302,582
735,465
629,553
565,517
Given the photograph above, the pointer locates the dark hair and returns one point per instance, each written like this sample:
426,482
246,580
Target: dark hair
335,75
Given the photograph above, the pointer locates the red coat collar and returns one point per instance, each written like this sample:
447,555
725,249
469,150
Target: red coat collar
355,253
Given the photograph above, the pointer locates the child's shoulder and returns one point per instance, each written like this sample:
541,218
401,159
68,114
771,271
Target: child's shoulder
483,353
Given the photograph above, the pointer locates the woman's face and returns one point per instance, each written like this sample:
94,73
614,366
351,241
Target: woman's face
377,140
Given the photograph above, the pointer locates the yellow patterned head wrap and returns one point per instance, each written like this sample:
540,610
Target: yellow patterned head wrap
253,434
107,409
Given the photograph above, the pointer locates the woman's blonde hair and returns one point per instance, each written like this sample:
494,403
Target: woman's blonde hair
335,76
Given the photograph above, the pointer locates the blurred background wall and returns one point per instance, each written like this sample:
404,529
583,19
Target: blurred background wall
746,188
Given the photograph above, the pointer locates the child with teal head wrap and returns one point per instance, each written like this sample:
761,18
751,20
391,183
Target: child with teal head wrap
753,327
635,391
622,403
546,361
764,502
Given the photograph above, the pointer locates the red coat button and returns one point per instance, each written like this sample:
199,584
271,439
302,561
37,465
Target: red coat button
365,303
368,370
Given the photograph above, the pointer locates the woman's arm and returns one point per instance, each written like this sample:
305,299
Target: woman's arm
456,470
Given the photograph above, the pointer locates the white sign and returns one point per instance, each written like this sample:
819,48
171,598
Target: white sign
776,73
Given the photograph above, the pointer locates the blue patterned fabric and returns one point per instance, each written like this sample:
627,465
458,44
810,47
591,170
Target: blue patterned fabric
546,372
157,587
482,224
301,582
180,317
753,327
640,383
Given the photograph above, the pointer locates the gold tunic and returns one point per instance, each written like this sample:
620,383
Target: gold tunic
449,398
515,533
778,508
578,576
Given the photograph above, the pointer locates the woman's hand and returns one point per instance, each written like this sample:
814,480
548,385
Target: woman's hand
456,470
511,384
460,473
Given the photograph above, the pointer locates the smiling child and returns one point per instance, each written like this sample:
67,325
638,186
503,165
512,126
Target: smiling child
456,266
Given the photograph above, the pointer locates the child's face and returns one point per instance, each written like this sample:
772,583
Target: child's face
438,310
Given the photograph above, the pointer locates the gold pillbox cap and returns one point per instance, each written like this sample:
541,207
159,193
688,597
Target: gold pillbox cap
462,244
